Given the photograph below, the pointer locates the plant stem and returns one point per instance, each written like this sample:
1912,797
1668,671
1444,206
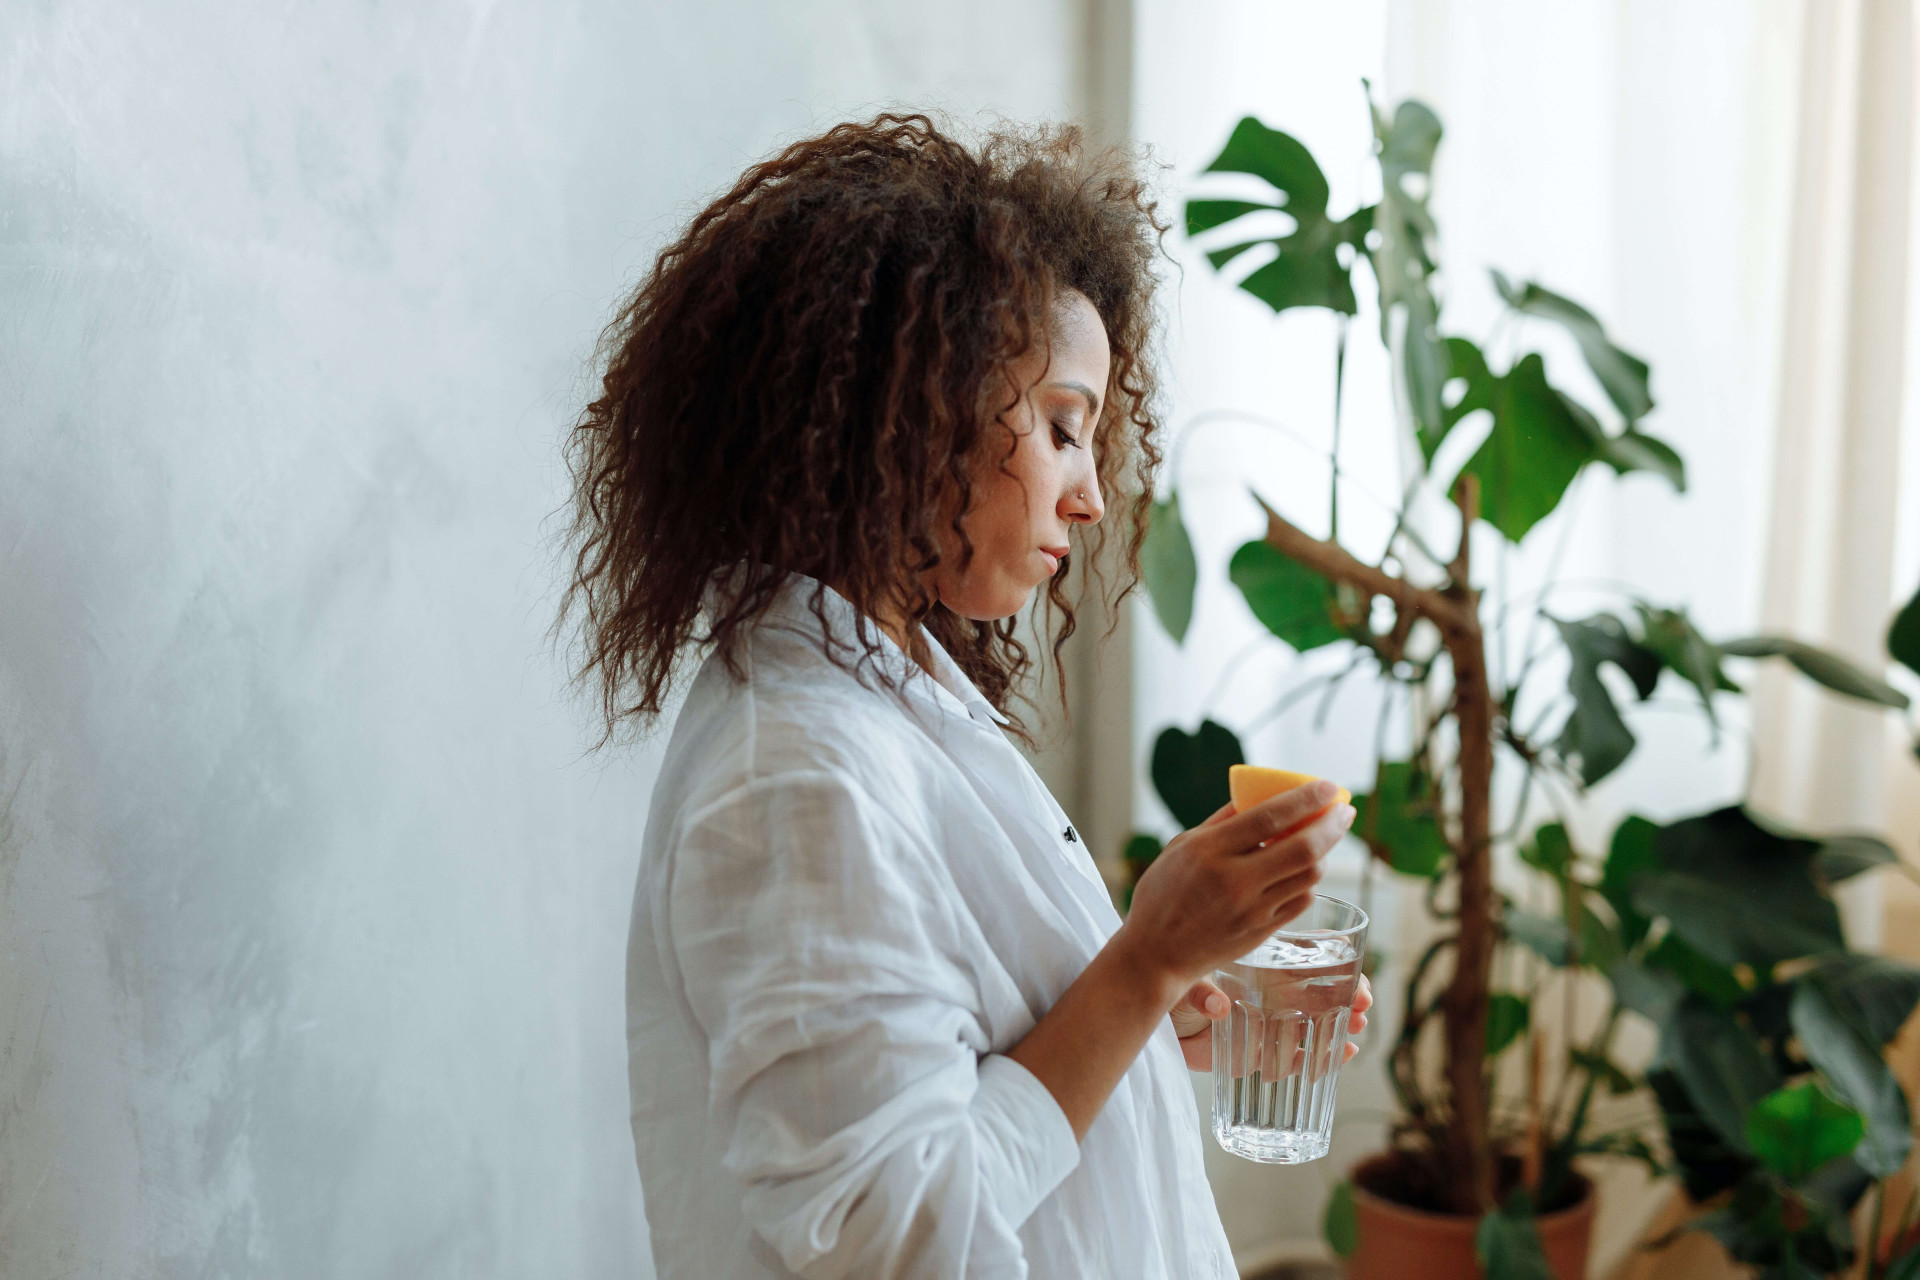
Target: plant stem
1339,386
1455,611
1469,1147
1873,1234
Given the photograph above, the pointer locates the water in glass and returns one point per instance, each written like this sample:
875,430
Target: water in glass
1277,1055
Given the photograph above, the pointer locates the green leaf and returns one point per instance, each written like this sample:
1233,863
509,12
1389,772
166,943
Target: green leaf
1550,850
1508,1243
1738,893
1508,1016
1595,735
1601,946
1652,993
1138,854
1822,667
1629,451
1903,637
1700,974
1342,1222
1289,599
1839,857
1843,857
1634,451
1397,821
1547,937
1719,1063
1535,450
1851,1062
1630,856
1308,271
1707,1163
1168,567
1669,634
1141,849
1479,390
1605,1070
1205,215
1874,993
1623,377
1189,770
1402,256
1797,1129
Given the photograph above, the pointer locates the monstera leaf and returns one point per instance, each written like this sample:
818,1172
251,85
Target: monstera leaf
1540,440
1670,635
1621,376
1308,269
1401,252
1595,735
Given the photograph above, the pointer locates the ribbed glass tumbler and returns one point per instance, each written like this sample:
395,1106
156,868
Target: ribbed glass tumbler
1277,1055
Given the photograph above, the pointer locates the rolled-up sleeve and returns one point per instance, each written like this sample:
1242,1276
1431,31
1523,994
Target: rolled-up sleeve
823,952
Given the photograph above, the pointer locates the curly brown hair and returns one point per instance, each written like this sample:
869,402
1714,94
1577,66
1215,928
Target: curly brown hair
805,378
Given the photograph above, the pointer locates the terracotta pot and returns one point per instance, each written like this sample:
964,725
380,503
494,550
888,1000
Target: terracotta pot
1398,1243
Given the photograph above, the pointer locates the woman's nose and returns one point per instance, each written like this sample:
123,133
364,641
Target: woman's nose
1083,501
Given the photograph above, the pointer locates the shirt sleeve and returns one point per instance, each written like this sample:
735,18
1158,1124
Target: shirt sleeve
873,1132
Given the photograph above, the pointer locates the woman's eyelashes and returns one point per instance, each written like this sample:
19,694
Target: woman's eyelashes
1061,433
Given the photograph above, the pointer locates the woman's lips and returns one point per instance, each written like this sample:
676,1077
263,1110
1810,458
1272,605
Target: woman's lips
1053,559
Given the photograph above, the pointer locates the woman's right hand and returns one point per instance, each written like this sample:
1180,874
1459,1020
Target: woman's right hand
1219,890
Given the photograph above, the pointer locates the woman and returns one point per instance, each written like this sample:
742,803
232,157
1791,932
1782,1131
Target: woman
883,1019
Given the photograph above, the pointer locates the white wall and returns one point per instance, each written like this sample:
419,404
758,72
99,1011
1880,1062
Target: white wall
311,912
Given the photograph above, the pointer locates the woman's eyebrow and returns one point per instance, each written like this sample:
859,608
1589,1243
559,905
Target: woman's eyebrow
1093,401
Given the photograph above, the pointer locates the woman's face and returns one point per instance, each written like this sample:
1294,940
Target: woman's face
1022,511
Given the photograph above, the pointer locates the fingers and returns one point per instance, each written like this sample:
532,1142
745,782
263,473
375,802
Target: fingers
1199,1009
1209,999
1357,1021
1221,814
1272,819
1304,849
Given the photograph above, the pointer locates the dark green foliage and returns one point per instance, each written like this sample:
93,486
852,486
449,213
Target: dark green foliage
1723,1070
1189,770
1738,893
1341,1225
1508,1016
1903,637
1308,270
1508,1243
1595,735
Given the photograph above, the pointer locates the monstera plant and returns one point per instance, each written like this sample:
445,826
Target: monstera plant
1769,1086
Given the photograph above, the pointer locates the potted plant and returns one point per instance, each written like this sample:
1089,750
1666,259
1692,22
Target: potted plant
1720,928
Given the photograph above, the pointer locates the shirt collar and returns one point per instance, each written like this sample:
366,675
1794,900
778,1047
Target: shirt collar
792,607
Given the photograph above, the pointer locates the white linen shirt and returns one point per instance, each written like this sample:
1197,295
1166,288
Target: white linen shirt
850,905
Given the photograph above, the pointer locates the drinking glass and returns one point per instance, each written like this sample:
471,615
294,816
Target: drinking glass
1277,1055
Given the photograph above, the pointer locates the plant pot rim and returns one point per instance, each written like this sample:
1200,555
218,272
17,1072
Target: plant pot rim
1582,1204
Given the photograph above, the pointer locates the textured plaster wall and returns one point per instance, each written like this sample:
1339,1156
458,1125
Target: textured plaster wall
311,911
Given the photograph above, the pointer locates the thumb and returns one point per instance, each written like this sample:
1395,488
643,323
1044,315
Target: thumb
1200,1007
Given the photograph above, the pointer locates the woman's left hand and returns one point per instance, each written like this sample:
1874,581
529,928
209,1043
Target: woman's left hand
1194,1016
